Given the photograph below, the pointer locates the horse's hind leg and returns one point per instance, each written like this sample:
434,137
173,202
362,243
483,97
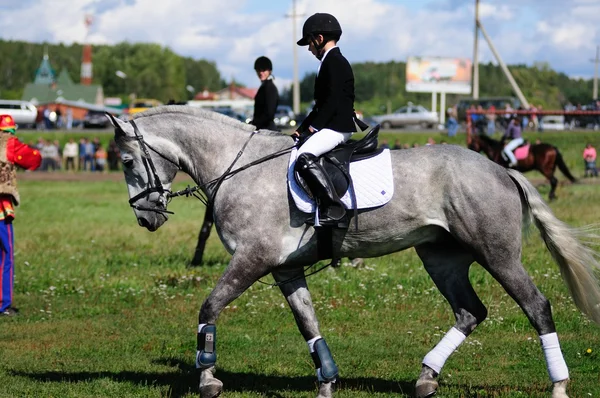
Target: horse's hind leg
299,299
518,284
448,265
245,267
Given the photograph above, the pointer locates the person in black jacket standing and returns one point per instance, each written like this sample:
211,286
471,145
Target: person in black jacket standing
332,120
267,96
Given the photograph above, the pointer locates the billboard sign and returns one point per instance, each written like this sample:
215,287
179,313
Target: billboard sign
438,75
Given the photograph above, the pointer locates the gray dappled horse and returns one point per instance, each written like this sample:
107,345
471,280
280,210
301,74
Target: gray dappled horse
452,204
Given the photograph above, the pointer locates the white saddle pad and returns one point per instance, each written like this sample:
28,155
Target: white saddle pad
372,178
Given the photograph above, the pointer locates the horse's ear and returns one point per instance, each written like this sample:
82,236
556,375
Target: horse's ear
117,124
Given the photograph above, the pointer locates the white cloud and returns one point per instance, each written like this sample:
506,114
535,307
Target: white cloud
227,33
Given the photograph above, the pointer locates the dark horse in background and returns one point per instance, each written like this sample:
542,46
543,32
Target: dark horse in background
542,157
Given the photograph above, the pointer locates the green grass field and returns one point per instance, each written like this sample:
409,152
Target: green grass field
110,310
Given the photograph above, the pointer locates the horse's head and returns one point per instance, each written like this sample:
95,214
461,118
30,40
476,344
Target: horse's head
149,166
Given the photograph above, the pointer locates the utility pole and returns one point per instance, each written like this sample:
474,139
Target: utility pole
475,53
596,62
296,83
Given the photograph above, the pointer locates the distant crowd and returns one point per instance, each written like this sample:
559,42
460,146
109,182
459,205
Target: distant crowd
85,155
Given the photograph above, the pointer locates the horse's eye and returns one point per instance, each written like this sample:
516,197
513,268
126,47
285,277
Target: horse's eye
128,162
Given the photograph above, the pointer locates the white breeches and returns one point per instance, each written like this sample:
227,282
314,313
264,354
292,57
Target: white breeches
510,147
323,141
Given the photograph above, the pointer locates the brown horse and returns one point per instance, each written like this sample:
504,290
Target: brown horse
542,157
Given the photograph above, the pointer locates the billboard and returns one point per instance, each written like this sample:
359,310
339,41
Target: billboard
439,75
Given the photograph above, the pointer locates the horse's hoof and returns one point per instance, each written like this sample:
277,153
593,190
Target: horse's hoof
560,389
425,388
325,390
212,389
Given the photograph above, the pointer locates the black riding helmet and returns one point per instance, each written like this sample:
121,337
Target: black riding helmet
319,23
263,63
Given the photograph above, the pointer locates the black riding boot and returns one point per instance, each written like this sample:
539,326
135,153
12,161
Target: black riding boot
331,209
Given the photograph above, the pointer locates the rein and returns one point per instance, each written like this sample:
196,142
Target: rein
155,185
192,191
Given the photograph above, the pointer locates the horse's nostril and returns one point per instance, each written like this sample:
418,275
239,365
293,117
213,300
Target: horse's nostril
143,222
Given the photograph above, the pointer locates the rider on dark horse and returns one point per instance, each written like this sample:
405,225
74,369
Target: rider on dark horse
513,134
332,120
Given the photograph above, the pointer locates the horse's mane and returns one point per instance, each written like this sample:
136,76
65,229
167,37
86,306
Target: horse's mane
203,114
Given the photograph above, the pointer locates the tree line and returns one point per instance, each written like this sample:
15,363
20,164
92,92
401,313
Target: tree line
155,71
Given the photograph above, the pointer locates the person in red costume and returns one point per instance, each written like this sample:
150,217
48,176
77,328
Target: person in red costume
12,153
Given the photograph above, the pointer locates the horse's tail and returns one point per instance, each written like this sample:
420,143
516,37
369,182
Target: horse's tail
563,166
578,263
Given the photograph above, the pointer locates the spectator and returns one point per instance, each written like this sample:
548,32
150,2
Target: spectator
114,156
589,157
59,119
15,153
491,120
397,145
47,121
540,119
39,119
89,156
100,157
507,116
59,157
82,143
535,120
69,117
452,121
406,146
384,144
524,120
267,96
70,153
49,154
430,141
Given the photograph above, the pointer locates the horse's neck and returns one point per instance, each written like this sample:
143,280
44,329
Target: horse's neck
211,151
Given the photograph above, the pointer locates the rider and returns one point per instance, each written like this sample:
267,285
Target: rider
12,152
267,96
332,120
513,133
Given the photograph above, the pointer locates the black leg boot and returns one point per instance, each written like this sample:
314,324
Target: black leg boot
331,208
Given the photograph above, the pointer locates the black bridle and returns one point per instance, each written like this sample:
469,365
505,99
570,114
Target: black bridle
155,185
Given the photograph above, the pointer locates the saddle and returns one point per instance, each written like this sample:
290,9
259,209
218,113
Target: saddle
336,162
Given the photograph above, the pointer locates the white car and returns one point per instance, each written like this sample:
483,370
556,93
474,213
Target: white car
23,112
408,115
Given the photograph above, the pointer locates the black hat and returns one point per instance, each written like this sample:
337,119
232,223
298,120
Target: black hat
319,23
263,63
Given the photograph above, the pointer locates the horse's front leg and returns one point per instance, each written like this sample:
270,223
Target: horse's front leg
243,270
203,237
298,297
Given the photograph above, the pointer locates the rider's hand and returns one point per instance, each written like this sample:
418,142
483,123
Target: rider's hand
296,134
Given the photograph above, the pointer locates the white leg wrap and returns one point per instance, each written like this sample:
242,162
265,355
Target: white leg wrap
436,358
557,367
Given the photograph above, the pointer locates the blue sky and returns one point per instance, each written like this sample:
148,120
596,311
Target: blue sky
232,33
